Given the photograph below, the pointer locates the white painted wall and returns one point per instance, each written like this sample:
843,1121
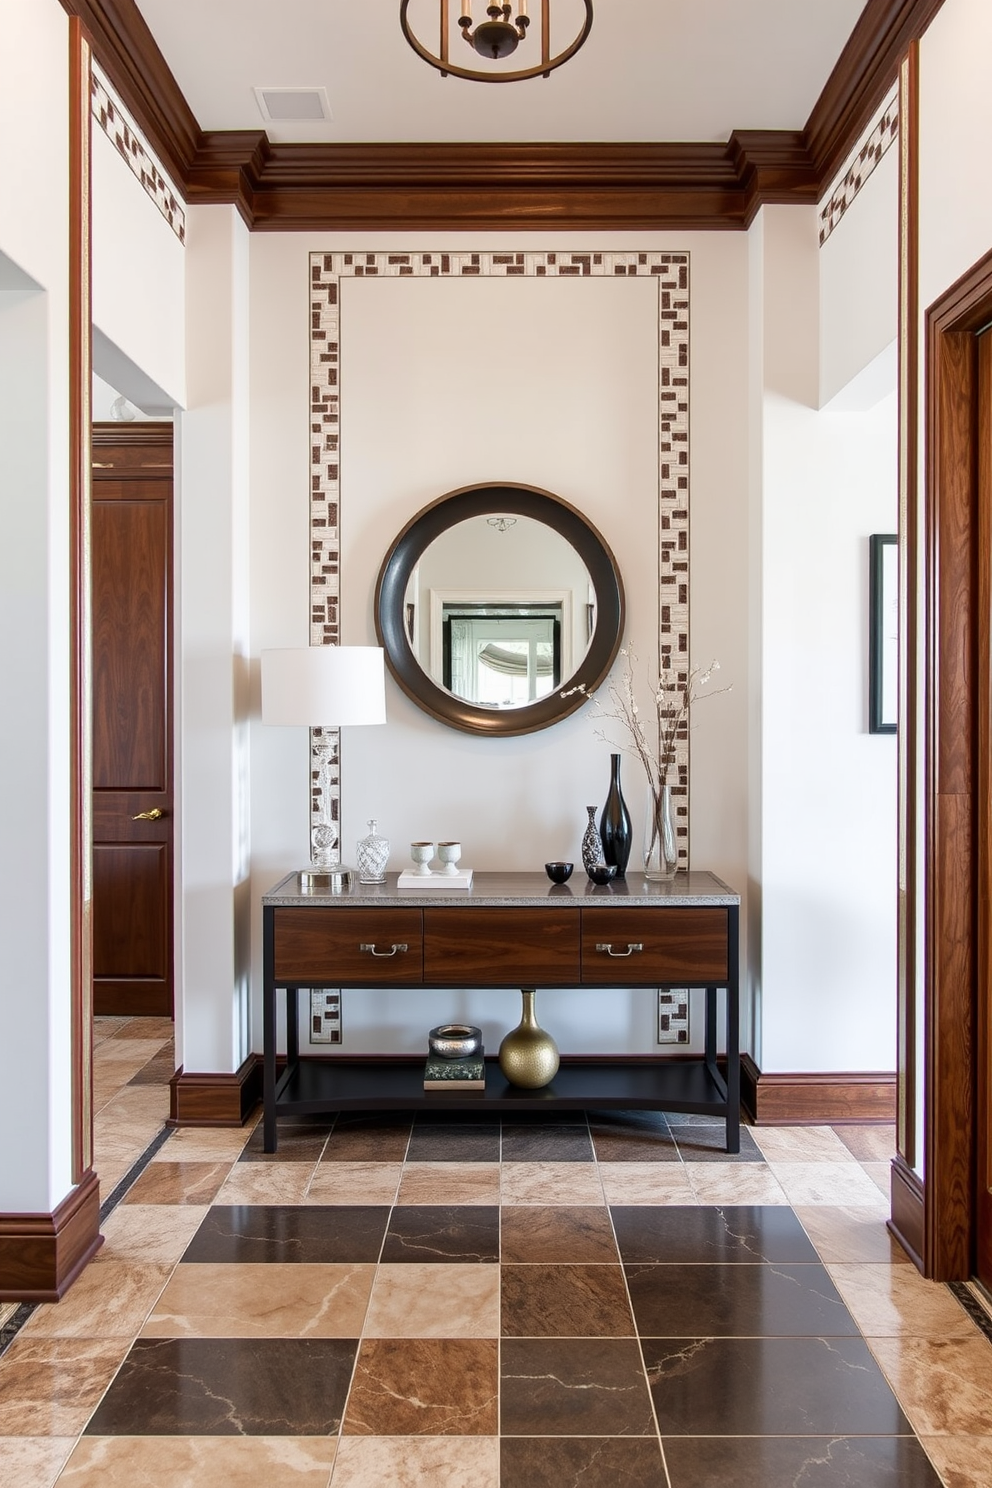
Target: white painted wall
138,284
212,649
36,1167
859,280
827,841
571,367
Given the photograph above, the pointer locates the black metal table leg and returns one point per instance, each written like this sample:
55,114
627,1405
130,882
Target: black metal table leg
733,1032
268,1031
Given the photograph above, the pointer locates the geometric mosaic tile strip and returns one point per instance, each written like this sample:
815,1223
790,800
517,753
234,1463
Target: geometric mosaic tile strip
669,271
880,135
120,129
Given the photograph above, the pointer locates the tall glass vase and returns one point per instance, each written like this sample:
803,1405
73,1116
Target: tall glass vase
614,824
661,853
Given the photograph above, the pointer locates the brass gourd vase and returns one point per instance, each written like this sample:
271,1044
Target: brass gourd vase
528,1055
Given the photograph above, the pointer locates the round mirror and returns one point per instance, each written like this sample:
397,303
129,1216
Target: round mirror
492,602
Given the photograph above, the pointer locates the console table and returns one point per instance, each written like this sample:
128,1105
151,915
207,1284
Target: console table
508,930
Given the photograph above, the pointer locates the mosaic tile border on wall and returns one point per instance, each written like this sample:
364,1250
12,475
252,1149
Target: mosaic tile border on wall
671,273
874,144
113,118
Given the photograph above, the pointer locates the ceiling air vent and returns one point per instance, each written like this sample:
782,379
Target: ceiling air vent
293,105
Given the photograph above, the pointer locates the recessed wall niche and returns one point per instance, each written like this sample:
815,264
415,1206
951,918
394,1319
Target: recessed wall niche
667,272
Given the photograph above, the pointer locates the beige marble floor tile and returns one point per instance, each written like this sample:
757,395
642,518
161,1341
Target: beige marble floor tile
843,1184
106,1026
355,1183
111,1299
155,1234
852,1234
551,1183
51,1386
647,1183
962,1461
178,1183
801,1144
204,1144
874,1143
734,1183
417,1462
943,1385
161,1029
115,1142
110,1174
880,1174
266,1183
185,1461
33,1461
895,1301
145,1103
124,1051
420,1301
262,1301
449,1183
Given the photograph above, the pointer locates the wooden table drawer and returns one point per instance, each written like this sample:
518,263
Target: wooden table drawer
501,947
380,947
636,946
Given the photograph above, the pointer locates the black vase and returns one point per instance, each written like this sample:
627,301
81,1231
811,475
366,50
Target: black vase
614,824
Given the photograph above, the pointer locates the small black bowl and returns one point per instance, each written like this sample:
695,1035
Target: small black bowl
602,873
558,873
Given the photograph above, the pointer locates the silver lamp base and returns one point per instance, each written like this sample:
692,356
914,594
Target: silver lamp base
326,880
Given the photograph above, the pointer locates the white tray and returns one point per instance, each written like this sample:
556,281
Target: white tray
429,881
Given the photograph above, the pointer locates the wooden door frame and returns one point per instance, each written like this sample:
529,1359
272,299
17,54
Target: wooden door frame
955,785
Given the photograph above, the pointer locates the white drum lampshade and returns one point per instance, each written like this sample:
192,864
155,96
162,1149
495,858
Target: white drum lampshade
324,686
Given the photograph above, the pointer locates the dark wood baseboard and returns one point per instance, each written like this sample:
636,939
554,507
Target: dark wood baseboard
215,1100
42,1254
816,1099
908,1221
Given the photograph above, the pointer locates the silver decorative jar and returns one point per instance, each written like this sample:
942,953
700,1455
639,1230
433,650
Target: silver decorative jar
455,1040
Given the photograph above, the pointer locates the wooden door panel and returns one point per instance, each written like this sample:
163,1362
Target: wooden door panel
131,548
130,645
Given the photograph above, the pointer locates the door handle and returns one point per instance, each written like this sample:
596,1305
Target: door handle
152,815
632,946
398,946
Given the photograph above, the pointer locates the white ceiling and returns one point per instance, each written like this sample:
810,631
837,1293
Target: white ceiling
650,70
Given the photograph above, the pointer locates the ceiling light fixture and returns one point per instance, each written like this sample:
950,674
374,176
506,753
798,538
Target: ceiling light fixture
494,38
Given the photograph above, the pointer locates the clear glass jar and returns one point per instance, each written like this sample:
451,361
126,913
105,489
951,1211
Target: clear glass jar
373,855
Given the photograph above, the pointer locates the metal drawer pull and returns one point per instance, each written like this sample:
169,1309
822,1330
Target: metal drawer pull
399,946
152,815
632,946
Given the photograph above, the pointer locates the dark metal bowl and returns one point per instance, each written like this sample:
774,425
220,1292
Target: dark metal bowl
558,873
602,873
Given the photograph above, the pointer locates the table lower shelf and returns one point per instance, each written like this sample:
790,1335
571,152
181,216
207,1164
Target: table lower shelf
312,1086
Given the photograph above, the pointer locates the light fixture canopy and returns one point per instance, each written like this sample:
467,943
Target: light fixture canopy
495,37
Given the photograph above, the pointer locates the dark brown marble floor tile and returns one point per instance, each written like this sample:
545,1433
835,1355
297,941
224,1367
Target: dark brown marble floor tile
453,1143
297,1143
228,1387
557,1233
443,1232
641,1144
424,1387
546,1144
813,1462
573,1301
580,1462
630,1121
708,1144
573,1387
761,1301
312,1234
770,1387
713,1232
367,1141
692,1118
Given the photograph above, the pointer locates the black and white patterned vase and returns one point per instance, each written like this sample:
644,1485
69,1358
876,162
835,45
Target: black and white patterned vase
592,843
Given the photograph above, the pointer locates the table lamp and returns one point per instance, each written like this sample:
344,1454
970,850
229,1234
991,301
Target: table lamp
324,687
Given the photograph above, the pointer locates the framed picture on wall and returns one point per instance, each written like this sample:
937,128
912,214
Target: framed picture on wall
883,638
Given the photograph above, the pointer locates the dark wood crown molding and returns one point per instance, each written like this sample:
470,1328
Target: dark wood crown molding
484,187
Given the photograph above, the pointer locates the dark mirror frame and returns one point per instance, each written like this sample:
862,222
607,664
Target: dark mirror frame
402,558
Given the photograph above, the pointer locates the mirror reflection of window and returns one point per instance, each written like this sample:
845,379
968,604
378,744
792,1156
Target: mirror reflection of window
501,657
